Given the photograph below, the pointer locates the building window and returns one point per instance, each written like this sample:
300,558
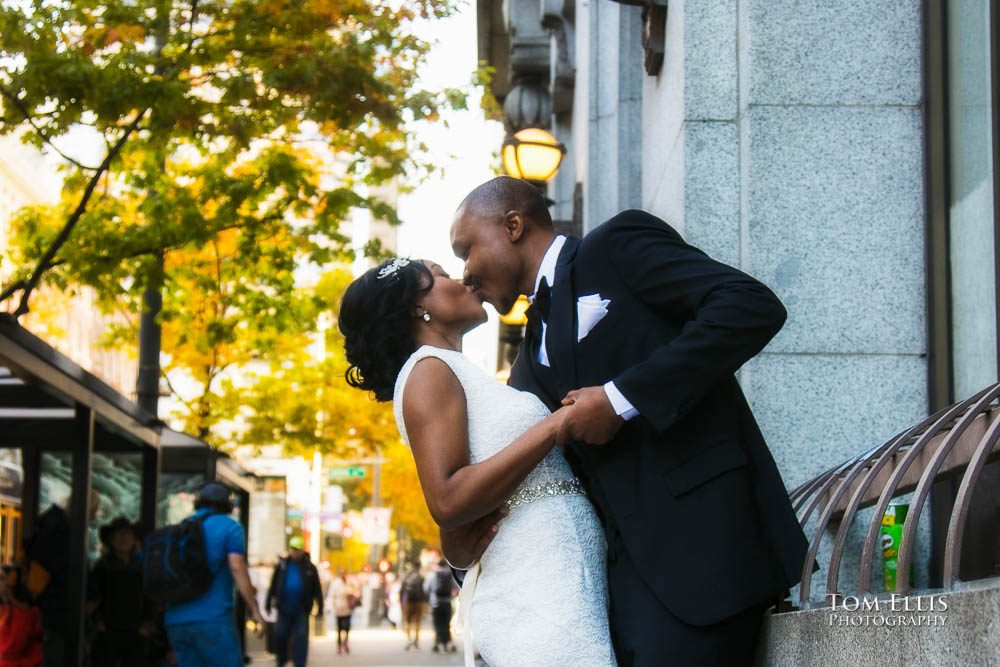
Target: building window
963,146
963,228
972,202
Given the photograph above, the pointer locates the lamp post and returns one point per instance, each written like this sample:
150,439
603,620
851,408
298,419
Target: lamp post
517,317
533,155
509,336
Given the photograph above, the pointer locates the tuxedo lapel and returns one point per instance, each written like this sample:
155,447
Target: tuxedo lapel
561,335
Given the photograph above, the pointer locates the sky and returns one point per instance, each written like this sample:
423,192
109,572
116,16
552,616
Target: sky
465,150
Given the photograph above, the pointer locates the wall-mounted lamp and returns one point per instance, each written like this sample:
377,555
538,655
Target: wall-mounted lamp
532,154
517,316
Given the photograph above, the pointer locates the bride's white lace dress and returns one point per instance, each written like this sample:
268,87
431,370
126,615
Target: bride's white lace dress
541,596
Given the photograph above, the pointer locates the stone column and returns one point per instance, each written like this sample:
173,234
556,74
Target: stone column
608,109
785,137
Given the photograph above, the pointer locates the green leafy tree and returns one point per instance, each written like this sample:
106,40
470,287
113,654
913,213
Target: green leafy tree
239,135
301,400
303,403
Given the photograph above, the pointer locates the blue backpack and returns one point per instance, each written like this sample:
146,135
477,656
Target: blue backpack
175,567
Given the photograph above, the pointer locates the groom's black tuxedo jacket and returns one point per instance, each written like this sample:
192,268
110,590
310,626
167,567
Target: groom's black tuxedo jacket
689,485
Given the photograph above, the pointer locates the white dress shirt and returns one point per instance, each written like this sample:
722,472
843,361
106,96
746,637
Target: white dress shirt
547,270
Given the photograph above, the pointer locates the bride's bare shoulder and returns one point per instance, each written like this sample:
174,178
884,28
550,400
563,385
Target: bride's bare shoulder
431,386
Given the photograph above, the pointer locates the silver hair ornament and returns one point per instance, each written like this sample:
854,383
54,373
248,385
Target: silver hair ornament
392,267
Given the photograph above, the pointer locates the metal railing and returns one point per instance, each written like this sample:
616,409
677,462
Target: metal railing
958,440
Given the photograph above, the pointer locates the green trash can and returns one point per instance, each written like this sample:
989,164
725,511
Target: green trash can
891,533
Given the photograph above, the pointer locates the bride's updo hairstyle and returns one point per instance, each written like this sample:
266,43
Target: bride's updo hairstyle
376,318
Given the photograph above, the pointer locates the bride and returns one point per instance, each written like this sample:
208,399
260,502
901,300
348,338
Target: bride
539,592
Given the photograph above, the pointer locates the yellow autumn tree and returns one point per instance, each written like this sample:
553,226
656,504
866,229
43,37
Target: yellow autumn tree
302,402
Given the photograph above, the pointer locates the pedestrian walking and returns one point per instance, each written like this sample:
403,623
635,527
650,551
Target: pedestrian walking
394,609
48,563
413,599
202,630
295,587
123,616
440,587
20,623
46,579
343,598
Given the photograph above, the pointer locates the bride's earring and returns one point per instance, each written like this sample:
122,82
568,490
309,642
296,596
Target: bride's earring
427,316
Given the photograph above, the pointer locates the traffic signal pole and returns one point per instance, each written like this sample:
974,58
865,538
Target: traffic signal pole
376,550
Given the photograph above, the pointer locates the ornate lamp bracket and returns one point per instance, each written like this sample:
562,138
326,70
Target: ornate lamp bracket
654,31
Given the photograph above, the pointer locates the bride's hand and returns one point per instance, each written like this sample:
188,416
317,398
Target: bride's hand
464,545
592,418
558,419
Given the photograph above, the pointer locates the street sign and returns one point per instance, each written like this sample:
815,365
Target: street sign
333,507
333,498
376,525
323,515
353,472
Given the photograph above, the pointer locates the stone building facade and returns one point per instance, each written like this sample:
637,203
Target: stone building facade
843,153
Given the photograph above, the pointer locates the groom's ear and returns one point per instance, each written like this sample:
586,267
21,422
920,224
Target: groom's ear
514,226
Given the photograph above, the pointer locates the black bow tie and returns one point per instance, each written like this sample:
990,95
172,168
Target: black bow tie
542,300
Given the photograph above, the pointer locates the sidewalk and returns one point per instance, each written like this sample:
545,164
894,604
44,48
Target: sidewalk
373,647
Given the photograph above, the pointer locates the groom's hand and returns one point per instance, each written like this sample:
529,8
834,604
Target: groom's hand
592,419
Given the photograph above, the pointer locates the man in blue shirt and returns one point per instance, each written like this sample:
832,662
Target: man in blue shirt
294,586
202,631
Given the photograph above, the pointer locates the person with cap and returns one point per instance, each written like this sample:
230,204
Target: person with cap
295,586
123,616
202,631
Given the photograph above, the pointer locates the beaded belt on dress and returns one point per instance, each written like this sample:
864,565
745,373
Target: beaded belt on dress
559,487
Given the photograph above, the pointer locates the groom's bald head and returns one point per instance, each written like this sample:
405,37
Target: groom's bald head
501,231
497,197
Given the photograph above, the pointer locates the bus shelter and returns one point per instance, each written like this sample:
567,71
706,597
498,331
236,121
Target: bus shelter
188,463
69,440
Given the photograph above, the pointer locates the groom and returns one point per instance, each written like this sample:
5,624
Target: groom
642,334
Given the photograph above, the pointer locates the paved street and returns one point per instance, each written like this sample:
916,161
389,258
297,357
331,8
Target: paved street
377,647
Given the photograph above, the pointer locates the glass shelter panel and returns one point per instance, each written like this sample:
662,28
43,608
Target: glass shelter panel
971,223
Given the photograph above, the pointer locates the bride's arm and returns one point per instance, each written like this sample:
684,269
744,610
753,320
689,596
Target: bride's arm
436,418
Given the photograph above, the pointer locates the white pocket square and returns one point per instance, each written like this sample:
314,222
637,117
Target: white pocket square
590,310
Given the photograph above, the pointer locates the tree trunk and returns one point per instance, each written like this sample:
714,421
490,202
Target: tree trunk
147,386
